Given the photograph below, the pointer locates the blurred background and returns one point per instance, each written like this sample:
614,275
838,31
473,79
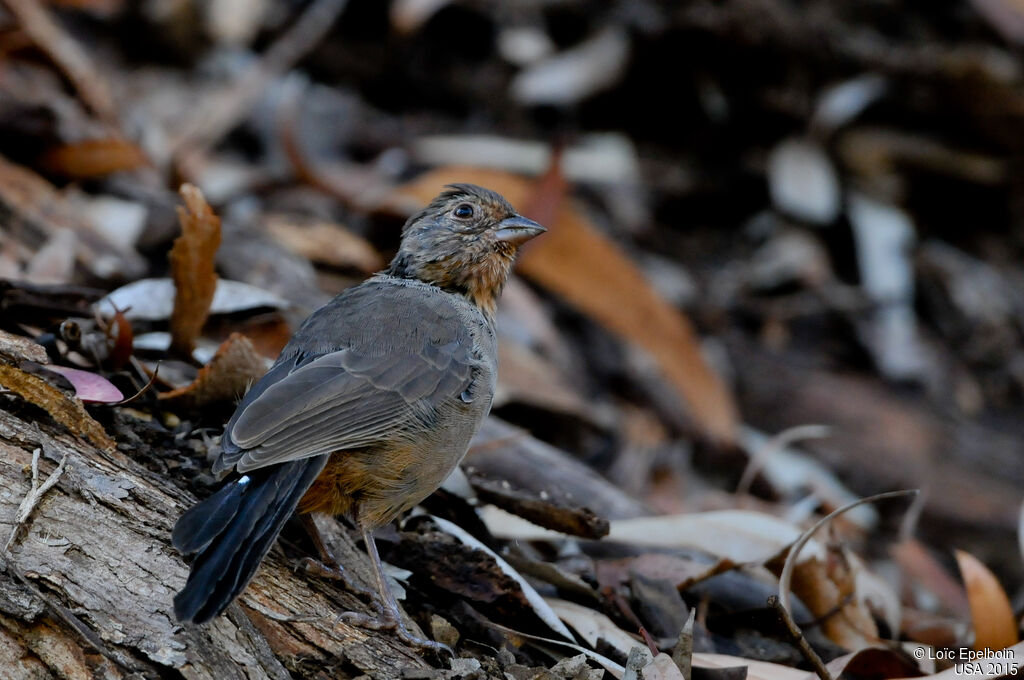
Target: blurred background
764,215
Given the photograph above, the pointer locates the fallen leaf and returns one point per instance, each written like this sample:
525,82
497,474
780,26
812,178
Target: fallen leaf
681,572
324,243
192,258
153,299
67,411
662,668
571,76
579,263
234,367
736,535
593,625
89,387
994,624
120,338
756,670
828,591
803,182
93,158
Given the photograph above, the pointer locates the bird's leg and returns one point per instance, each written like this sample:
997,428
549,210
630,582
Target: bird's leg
328,565
390,615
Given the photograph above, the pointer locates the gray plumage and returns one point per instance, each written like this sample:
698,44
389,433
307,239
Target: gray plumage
371,404
386,360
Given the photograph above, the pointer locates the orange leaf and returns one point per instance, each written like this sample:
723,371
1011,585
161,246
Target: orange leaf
231,371
93,157
192,269
994,625
579,263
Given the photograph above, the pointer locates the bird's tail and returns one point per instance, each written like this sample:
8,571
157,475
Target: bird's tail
232,530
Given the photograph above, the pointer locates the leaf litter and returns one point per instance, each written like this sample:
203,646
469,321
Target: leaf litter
818,232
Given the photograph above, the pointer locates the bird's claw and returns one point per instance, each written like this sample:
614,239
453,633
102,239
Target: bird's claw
335,572
385,622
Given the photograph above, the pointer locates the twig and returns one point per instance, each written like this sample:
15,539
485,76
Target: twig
780,603
786,577
760,455
34,495
222,111
798,638
145,388
68,55
626,611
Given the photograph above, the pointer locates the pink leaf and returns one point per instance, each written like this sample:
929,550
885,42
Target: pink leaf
90,387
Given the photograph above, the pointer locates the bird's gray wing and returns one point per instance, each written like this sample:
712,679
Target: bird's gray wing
398,355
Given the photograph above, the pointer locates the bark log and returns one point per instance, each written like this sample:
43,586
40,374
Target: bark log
86,588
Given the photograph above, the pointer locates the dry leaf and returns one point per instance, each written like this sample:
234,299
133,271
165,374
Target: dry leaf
736,535
65,410
89,387
756,670
681,572
324,243
593,625
994,624
234,367
93,158
662,668
153,299
582,265
828,591
192,260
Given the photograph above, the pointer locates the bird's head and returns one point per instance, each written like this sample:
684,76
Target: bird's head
464,242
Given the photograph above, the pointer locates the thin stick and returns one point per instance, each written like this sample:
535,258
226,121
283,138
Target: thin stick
798,638
787,570
34,495
760,455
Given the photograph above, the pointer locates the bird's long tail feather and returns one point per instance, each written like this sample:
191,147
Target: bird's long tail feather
231,531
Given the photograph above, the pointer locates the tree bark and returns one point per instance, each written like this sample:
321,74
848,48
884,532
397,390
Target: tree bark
86,587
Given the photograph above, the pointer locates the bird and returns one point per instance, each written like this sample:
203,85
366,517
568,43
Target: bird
368,408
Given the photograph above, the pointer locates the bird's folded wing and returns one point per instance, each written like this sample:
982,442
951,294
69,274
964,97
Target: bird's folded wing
353,397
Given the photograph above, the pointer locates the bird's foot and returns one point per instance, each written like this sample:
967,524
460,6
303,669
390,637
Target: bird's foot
386,622
335,572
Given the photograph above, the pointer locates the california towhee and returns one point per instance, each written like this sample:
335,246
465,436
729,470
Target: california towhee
371,404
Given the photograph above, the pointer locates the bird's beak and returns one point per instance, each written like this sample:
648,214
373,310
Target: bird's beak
517,230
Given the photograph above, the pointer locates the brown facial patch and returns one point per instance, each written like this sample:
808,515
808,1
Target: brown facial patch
459,255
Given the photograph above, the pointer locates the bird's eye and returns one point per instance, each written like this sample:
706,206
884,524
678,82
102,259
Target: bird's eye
463,211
